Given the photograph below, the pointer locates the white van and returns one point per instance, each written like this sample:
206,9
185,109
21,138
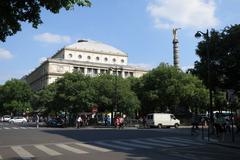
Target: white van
162,120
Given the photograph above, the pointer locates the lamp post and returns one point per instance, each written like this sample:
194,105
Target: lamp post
115,106
210,110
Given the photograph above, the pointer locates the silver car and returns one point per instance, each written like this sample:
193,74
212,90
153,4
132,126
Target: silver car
18,120
5,118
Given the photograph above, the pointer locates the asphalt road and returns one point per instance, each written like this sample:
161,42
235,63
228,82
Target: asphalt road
26,142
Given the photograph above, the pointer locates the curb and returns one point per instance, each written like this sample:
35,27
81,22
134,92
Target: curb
214,141
225,145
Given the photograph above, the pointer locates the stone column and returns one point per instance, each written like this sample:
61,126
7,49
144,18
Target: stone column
175,48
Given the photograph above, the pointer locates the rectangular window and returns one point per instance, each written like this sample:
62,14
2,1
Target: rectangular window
89,70
81,69
126,74
75,69
95,71
102,71
120,73
131,74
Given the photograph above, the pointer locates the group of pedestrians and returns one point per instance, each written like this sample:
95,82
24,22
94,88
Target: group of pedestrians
221,125
119,121
82,120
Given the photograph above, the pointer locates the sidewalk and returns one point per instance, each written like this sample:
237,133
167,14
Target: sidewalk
225,140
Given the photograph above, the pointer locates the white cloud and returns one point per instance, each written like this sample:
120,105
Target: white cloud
5,54
198,14
52,38
42,59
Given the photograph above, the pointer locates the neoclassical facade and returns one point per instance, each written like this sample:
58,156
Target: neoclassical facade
88,57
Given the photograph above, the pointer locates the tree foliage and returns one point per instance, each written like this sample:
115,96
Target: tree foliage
15,97
13,12
166,88
224,61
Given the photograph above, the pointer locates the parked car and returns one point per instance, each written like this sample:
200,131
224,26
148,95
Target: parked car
5,118
55,122
18,120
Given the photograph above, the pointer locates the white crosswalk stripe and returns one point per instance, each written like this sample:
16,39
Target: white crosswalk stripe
104,146
150,143
15,128
107,144
167,142
131,145
182,141
24,154
71,149
93,147
47,150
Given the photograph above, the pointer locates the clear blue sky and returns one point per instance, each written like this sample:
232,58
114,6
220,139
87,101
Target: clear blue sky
141,28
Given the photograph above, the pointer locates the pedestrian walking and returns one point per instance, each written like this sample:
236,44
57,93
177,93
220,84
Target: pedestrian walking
37,121
105,120
79,121
194,124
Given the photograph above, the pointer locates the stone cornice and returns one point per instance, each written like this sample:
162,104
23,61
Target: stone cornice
92,64
96,52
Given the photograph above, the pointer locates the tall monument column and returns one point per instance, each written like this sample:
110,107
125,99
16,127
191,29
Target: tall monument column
175,48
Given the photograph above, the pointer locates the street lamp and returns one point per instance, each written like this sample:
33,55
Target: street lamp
115,106
210,110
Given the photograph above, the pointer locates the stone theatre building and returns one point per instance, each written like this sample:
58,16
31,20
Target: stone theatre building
88,57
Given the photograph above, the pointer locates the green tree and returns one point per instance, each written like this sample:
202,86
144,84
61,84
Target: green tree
16,96
224,61
113,91
43,100
13,12
74,93
167,88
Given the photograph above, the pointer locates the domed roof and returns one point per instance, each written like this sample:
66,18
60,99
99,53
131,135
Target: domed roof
93,46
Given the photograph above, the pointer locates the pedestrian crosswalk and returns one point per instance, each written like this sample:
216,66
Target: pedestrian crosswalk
16,128
58,149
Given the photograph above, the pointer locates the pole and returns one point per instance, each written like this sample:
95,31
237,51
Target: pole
210,127
231,118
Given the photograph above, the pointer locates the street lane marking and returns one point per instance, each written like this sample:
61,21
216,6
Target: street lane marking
23,127
6,128
24,154
183,141
47,150
167,142
113,146
93,147
150,143
131,144
71,149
